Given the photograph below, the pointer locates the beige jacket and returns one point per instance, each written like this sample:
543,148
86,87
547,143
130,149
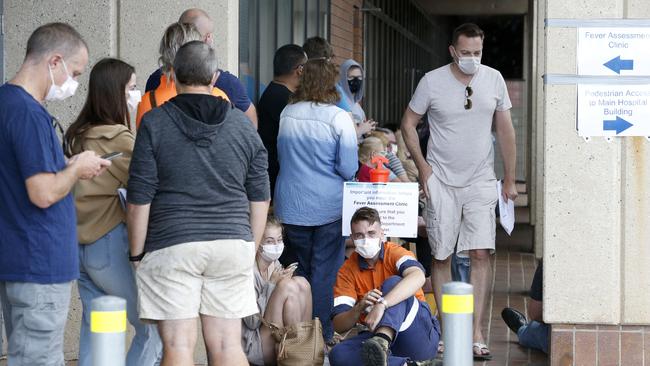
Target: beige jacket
98,205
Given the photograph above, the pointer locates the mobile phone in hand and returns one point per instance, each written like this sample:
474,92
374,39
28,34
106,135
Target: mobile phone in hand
111,156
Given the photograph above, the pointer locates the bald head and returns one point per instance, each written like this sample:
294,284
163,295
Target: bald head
201,21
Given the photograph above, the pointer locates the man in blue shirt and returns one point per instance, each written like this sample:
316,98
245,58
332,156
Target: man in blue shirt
226,81
38,238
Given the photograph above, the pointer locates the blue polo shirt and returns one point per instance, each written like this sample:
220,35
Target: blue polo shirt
36,245
226,81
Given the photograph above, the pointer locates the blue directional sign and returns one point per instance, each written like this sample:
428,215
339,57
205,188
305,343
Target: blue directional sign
619,125
616,64
613,110
613,51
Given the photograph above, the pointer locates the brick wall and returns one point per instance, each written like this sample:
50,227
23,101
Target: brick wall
346,30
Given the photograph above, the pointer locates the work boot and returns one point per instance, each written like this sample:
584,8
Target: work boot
514,319
374,352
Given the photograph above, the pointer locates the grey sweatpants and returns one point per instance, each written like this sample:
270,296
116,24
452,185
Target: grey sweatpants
35,316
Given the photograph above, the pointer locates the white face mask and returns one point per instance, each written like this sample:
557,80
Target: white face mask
133,99
66,90
468,65
271,252
368,247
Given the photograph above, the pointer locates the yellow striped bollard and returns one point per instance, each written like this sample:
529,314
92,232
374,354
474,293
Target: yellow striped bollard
108,331
457,315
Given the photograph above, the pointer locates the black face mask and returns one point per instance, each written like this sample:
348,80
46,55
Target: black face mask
355,85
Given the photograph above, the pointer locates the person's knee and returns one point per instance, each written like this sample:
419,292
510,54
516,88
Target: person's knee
479,255
339,355
302,283
437,263
288,286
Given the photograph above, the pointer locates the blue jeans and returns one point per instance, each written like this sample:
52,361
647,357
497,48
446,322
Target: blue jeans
534,335
320,251
416,338
460,268
105,270
35,316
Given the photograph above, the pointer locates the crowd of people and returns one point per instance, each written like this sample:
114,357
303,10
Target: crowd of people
233,214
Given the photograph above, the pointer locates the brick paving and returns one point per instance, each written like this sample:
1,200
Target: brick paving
514,265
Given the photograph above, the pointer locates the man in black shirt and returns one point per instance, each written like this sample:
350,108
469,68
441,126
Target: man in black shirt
287,67
533,334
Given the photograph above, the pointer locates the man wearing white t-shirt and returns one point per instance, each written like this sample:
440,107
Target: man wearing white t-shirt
463,100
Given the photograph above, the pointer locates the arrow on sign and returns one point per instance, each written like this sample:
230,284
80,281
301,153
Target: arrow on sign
619,125
616,64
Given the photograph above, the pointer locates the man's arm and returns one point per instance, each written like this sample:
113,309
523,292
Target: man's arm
46,189
259,210
346,320
251,113
410,121
413,279
137,222
505,134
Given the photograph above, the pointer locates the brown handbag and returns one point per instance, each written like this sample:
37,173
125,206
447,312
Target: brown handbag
299,344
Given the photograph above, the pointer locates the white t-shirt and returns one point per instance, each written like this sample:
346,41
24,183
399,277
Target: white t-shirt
460,149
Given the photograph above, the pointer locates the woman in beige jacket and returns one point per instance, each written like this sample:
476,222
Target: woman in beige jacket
103,127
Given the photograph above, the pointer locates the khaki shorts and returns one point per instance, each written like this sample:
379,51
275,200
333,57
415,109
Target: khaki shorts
213,278
461,218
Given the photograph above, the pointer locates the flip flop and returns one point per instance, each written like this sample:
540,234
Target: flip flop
481,355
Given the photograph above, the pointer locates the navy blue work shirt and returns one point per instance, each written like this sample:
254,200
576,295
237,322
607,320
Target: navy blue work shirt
36,245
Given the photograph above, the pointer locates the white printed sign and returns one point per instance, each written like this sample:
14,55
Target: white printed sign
614,51
397,204
613,110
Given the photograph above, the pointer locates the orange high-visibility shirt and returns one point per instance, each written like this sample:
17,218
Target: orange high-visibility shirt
165,91
356,278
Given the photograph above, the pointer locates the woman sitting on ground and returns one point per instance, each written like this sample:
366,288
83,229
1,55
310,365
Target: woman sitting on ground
282,299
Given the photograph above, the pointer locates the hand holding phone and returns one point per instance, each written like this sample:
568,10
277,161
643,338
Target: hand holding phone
111,156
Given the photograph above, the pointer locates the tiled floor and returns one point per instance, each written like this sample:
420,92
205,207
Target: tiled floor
514,268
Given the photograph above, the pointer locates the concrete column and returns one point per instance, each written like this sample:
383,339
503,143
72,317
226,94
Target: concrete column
582,190
596,203
636,213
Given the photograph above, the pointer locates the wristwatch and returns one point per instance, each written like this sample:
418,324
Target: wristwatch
136,258
383,302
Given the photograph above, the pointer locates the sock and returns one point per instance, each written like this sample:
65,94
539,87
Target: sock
384,336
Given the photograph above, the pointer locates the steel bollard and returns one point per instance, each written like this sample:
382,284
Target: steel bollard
457,316
108,331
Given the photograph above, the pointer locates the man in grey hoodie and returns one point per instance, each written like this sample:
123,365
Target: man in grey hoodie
198,199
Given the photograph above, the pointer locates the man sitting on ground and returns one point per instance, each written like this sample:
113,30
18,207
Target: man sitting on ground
380,285
533,334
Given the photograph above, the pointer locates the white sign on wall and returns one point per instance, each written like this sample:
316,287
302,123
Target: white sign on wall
614,51
397,204
613,110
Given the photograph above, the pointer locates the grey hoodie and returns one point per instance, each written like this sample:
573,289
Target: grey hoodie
198,176
353,99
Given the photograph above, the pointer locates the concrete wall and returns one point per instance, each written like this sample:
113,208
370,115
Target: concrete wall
595,205
128,29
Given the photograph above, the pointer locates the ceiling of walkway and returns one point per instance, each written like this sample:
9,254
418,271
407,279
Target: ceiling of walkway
474,7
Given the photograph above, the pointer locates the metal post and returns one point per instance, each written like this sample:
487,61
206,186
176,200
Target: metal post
457,316
108,331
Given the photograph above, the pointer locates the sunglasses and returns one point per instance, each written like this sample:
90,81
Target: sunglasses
468,93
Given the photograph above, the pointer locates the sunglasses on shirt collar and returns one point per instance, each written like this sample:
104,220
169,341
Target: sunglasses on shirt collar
468,93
